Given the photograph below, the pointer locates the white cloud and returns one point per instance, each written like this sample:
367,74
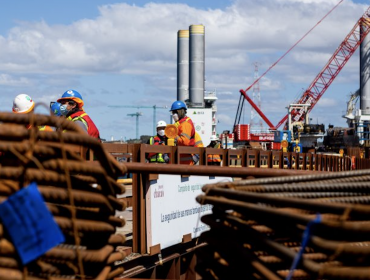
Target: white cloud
141,41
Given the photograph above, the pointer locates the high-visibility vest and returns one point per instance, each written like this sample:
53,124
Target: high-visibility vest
91,128
190,137
194,139
156,157
214,158
45,128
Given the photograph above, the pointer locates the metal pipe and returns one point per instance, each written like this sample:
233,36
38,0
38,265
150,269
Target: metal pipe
197,65
305,176
315,206
337,229
183,65
182,169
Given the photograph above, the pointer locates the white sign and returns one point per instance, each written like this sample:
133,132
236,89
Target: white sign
172,211
202,119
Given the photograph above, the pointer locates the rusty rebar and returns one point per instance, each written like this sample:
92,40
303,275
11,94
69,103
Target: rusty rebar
317,206
302,177
339,229
238,227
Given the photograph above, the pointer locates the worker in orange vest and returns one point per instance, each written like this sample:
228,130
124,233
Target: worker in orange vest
214,159
71,107
187,136
24,104
159,139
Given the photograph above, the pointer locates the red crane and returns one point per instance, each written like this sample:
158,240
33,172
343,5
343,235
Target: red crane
327,75
330,71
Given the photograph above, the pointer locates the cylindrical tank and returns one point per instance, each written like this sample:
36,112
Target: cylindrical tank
196,66
365,76
183,65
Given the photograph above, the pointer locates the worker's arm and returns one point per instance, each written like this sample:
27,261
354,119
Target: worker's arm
184,134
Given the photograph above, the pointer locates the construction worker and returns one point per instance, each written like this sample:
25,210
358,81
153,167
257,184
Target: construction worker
214,159
24,104
71,107
159,139
187,136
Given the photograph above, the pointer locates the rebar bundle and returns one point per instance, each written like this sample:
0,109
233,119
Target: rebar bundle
292,227
81,196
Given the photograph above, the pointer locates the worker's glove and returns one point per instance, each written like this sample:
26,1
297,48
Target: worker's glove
166,158
195,158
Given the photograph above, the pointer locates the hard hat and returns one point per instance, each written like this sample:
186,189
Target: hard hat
214,138
178,105
55,109
161,124
72,95
23,103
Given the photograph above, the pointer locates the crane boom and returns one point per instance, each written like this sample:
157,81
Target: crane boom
240,106
330,71
258,110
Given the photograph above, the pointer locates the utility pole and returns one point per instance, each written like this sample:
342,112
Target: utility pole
137,114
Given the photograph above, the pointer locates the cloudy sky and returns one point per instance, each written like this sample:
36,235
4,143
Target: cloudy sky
124,53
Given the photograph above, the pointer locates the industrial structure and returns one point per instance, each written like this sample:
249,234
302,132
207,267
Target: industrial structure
255,120
297,114
191,81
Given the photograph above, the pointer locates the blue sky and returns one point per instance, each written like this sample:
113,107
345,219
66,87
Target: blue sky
124,53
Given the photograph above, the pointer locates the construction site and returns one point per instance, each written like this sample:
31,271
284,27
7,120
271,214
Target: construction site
280,204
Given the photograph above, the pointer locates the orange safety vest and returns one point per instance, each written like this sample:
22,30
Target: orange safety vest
187,136
214,158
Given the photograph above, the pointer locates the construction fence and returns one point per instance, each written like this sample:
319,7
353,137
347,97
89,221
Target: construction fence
240,158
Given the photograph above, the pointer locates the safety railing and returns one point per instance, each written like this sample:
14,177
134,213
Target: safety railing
244,163
239,158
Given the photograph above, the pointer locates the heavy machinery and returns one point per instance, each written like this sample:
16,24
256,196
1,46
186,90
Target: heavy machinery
340,138
321,82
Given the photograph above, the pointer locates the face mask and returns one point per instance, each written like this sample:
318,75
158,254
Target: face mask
175,117
161,132
63,110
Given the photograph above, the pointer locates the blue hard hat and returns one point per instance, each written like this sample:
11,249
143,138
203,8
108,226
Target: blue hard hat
72,95
178,105
55,109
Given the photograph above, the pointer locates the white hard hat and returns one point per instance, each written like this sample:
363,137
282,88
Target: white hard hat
214,138
23,103
161,124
